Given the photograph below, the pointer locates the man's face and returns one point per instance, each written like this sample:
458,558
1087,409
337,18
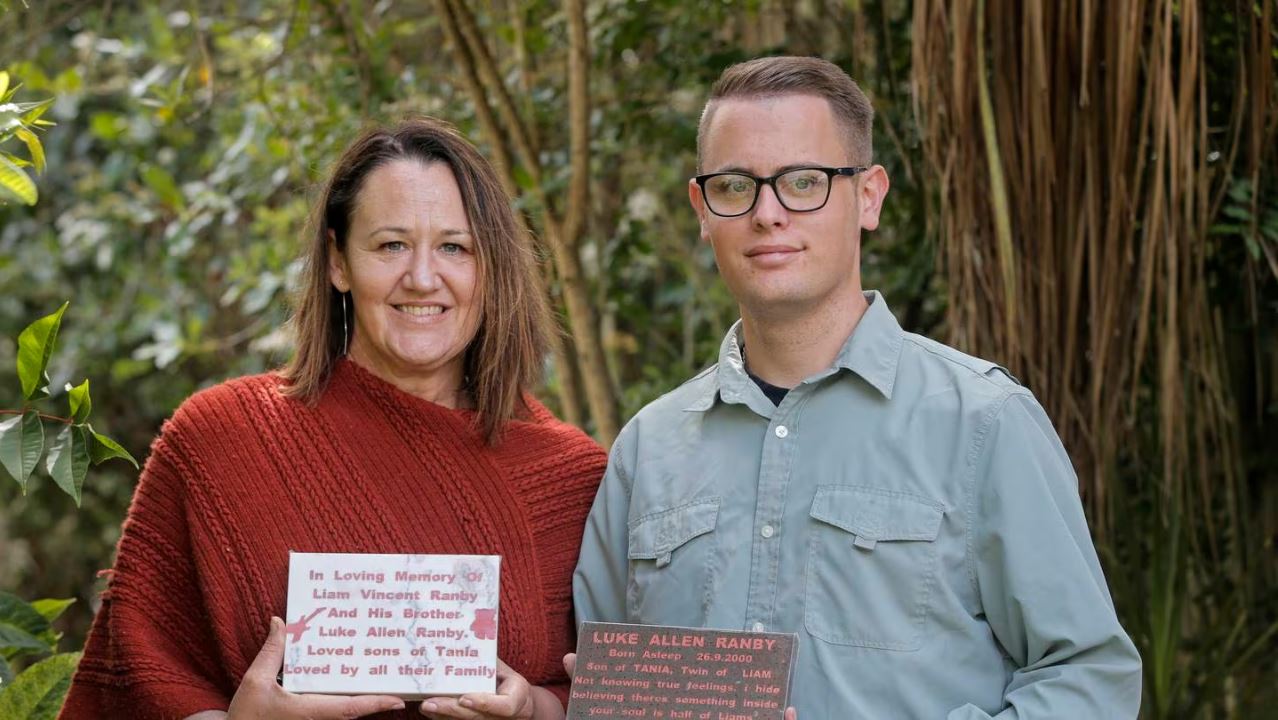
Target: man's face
776,261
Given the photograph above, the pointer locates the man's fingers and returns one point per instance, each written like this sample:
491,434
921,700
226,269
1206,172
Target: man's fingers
271,657
324,707
502,705
570,665
513,685
791,714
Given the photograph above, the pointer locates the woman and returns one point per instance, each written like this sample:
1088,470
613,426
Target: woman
402,425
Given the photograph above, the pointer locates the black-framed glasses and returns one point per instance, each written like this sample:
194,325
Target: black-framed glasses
805,189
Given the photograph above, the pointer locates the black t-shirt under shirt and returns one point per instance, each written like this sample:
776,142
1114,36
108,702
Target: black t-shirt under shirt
774,393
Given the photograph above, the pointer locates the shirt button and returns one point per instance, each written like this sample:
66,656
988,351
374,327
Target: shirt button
782,431
766,531
758,627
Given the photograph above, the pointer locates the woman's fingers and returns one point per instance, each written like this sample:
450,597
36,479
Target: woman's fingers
444,707
270,658
260,696
333,707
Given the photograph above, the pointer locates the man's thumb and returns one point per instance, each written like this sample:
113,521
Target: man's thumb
570,664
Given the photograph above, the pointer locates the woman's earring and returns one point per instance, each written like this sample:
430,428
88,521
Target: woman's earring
346,333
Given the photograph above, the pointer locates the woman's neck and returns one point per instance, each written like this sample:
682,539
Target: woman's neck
444,387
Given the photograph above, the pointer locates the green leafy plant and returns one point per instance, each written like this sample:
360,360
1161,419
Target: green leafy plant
21,121
22,437
26,629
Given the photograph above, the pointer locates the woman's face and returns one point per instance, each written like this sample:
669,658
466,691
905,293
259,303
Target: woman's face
411,269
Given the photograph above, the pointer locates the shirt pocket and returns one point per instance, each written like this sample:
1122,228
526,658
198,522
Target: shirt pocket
871,564
671,574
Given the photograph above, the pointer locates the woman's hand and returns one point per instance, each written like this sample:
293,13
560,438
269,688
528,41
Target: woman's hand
514,698
259,697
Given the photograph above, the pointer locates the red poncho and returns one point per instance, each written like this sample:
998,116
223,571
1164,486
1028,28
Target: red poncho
242,475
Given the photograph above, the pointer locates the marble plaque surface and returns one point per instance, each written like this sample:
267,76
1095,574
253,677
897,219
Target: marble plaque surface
676,673
415,626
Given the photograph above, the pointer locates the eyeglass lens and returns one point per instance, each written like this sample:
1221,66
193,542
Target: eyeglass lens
798,190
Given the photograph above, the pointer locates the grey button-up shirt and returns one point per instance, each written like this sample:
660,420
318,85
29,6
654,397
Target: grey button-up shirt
909,512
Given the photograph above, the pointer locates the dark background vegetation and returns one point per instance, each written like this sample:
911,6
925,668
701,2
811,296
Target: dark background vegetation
1083,191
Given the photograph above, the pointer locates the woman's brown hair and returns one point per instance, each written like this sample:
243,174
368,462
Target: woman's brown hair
504,359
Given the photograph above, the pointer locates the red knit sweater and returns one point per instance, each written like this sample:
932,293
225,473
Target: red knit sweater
241,475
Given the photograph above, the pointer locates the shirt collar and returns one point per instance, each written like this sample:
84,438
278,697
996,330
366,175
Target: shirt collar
871,352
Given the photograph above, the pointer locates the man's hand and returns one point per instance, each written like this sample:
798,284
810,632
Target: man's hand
513,699
259,697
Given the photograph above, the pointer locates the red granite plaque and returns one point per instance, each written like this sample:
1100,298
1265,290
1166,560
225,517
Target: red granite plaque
675,673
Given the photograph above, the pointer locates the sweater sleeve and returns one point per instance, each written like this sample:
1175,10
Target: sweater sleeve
151,652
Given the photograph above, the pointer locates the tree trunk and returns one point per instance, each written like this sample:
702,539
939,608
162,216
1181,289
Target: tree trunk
562,232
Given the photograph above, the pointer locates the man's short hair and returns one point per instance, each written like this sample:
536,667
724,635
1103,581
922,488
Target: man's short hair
770,77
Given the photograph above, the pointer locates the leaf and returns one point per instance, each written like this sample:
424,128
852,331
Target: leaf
163,185
1238,212
17,182
37,693
6,674
81,404
4,83
35,111
35,346
21,442
50,608
15,642
33,146
21,626
104,448
106,126
68,460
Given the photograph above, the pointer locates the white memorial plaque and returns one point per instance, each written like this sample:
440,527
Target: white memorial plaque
415,626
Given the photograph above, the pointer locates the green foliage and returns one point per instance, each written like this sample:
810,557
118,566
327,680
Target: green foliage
37,694
21,444
191,137
23,630
68,460
20,121
26,629
22,437
35,346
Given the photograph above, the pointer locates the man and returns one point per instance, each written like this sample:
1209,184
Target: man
907,509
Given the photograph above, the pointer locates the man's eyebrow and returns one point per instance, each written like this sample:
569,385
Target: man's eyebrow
783,169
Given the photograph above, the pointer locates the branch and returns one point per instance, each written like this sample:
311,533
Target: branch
579,120
64,421
483,62
202,43
339,12
483,112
